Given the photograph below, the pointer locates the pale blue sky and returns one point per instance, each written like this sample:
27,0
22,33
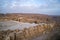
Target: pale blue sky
51,7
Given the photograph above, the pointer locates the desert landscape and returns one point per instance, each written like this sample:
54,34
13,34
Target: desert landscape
29,19
20,26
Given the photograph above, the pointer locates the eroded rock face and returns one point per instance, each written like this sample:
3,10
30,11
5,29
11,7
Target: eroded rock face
55,33
41,31
30,33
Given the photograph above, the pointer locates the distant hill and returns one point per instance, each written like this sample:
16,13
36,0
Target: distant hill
39,17
56,18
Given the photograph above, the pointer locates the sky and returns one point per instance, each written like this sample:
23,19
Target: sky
50,7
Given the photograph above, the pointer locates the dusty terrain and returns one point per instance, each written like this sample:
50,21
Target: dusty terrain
29,27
